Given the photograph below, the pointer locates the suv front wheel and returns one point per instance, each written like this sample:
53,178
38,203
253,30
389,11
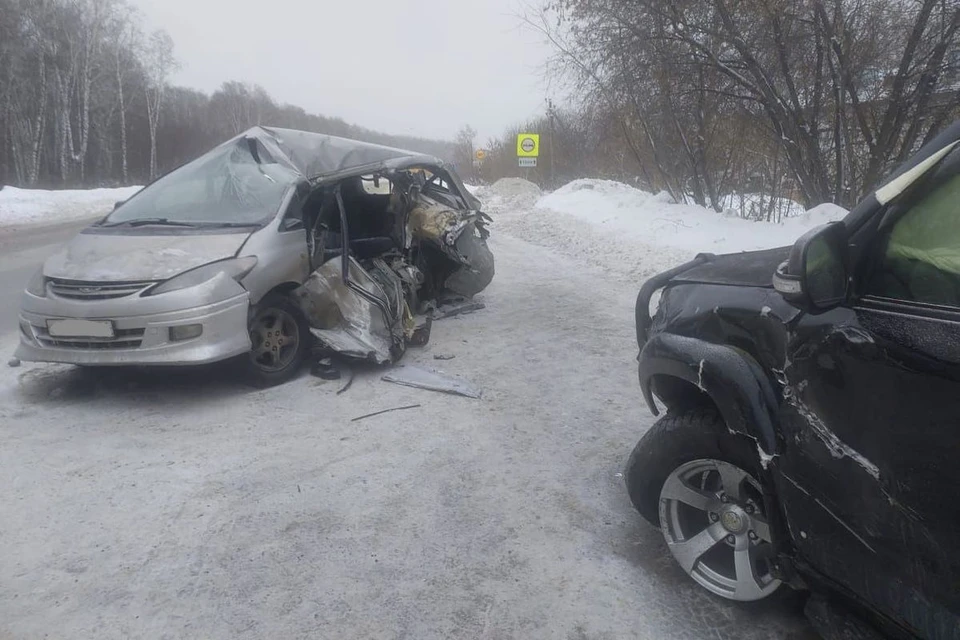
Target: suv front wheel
700,486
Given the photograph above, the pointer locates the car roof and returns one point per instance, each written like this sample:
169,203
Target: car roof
317,156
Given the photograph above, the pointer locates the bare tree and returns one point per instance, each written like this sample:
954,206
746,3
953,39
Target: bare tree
125,37
159,63
85,99
842,88
463,157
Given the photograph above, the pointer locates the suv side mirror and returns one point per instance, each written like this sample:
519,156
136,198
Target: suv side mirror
815,277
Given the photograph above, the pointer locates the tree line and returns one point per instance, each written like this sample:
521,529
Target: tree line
815,100
86,100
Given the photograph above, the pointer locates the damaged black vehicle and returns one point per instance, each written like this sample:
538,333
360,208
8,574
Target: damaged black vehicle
812,428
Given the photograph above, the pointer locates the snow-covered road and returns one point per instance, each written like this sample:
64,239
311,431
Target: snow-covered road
183,505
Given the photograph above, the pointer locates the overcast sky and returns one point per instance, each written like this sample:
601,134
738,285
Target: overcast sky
400,66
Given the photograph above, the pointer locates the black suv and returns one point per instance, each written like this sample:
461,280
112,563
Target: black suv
812,396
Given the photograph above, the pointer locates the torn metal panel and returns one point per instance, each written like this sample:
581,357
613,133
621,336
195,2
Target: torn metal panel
411,376
358,321
461,236
831,441
430,220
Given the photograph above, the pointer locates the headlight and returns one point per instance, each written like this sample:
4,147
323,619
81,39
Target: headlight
37,285
236,268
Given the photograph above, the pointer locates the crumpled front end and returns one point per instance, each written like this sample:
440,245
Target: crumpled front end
461,236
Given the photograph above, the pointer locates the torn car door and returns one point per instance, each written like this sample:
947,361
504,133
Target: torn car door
353,315
353,311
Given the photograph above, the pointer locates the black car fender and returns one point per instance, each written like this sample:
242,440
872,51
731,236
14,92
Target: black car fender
731,378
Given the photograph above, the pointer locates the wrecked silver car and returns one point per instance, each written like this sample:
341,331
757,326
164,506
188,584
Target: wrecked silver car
272,240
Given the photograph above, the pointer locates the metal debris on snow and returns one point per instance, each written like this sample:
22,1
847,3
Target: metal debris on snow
411,376
457,309
351,374
326,369
380,413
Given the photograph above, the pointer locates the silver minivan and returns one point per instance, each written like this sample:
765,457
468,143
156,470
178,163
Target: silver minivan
268,243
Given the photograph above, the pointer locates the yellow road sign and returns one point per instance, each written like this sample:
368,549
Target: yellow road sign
528,145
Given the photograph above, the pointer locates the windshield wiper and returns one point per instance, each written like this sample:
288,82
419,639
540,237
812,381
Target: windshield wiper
230,225
143,222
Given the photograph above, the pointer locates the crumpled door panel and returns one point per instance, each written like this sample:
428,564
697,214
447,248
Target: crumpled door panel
355,319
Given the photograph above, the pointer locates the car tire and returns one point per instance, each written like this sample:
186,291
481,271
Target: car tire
694,449
280,338
673,440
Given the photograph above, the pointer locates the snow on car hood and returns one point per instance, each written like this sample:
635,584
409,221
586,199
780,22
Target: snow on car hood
112,257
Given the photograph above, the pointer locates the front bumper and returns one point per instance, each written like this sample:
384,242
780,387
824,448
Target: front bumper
139,339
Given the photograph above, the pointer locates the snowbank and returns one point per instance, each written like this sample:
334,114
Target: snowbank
514,194
631,232
36,206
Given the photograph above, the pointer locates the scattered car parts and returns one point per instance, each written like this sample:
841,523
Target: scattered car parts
412,376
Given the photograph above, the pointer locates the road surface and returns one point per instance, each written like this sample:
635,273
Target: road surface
184,505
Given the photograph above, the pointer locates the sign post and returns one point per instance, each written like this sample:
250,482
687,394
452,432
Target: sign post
478,157
528,149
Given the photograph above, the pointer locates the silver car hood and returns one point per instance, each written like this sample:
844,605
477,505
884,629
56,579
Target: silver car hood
112,257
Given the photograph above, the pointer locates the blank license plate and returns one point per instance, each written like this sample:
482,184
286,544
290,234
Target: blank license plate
80,328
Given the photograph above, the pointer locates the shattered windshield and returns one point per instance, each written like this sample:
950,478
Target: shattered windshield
226,186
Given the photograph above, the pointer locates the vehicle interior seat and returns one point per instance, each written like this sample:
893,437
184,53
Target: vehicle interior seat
371,224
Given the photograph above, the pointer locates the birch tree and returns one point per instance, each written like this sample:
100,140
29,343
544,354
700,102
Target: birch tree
159,63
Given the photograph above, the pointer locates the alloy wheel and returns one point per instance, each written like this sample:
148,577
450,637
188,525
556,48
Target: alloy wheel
712,517
275,335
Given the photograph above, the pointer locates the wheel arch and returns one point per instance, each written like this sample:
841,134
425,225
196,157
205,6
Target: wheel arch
686,373
284,289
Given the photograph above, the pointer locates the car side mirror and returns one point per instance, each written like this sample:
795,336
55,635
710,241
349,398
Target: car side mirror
815,278
118,204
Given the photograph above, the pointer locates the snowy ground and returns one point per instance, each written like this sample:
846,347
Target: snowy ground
181,504
21,207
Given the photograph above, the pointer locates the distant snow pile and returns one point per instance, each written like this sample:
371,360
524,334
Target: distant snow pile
36,206
636,234
759,207
581,194
509,195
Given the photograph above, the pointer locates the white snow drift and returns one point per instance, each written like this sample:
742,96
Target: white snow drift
38,206
631,232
